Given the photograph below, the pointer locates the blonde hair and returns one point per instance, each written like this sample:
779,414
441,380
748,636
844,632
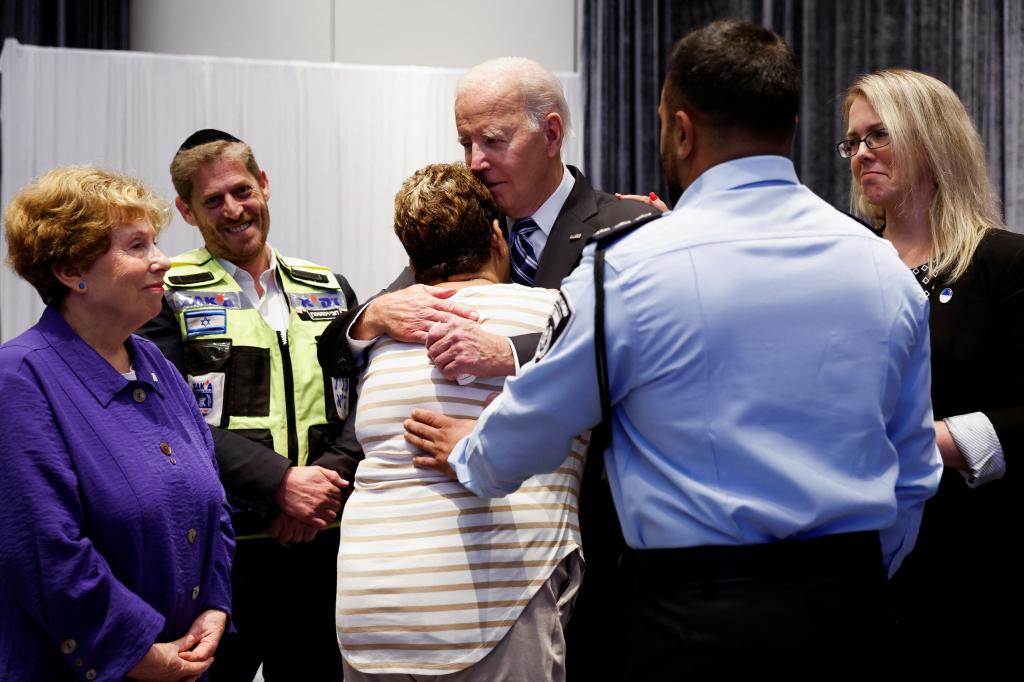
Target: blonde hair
66,216
931,131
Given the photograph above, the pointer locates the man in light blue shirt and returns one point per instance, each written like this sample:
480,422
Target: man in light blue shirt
772,444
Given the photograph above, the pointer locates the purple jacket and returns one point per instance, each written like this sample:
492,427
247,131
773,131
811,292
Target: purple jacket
114,530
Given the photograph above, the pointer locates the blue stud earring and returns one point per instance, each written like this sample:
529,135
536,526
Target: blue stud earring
81,285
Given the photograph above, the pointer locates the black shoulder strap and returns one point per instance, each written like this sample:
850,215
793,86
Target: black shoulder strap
601,435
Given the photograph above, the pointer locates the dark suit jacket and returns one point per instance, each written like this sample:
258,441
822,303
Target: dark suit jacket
964,571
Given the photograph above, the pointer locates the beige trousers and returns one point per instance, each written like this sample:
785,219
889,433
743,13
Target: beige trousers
533,650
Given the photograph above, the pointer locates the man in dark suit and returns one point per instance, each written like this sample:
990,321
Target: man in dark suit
512,118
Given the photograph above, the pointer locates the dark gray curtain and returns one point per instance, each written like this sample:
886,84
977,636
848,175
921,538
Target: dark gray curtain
95,24
976,46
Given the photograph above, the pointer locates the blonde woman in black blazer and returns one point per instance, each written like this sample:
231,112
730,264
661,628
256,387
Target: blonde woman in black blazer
919,174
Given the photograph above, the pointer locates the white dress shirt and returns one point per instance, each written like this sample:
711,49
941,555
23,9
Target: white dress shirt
273,305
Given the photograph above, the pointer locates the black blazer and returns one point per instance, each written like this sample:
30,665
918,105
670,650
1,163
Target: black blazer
964,568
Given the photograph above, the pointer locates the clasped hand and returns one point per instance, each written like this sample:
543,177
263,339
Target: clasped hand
310,499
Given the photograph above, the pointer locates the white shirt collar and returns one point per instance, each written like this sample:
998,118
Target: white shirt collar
236,272
547,214
273,306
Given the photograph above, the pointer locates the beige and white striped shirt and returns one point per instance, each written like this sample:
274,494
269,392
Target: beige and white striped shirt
431,577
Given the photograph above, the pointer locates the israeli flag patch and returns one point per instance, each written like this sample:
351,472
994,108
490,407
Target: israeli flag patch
202,322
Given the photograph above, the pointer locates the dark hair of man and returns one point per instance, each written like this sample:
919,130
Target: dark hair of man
738,76
443,217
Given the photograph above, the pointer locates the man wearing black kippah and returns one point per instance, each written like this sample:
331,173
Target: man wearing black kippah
240,321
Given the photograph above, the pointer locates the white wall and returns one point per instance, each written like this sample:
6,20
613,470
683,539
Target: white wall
443,34
447,33
260,29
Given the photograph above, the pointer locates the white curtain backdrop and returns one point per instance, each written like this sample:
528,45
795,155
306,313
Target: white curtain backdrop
335,140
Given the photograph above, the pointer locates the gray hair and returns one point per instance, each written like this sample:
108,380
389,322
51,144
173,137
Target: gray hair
540,89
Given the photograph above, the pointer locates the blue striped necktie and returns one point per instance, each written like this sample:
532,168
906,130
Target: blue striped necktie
524,258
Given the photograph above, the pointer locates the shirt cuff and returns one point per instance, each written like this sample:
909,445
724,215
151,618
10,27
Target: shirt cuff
358,347
515,358
976,438
457,461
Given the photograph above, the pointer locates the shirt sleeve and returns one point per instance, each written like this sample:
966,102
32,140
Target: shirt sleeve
976,438
529,427
358,347
516,362
47,561
911,430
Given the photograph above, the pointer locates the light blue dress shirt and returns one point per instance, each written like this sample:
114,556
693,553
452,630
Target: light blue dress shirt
769,372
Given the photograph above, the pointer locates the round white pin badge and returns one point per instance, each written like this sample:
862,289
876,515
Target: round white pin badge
946,294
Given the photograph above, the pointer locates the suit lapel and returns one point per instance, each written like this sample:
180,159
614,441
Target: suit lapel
568,235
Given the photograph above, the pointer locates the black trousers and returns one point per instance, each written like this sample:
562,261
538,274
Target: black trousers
810,609
593,628
283,609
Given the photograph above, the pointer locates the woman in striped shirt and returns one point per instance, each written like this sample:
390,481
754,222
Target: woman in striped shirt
433,581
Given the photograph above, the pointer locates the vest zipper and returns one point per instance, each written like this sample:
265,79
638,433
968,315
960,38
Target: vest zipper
289,396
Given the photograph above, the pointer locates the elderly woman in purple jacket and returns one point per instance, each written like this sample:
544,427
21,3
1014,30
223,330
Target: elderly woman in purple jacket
115,537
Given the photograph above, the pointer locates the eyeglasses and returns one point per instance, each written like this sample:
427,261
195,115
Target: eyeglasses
876,139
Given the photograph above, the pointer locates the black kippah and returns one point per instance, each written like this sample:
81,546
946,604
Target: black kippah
206,135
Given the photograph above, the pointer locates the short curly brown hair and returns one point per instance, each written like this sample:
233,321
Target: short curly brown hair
65,218
443,217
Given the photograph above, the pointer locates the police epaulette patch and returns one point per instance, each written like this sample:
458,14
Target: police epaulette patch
610,234
560,314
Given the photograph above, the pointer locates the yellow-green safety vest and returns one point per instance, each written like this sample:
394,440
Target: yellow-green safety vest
265,385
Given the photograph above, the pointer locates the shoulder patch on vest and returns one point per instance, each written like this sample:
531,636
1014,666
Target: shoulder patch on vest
309,273
609,234
308,276
185,280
